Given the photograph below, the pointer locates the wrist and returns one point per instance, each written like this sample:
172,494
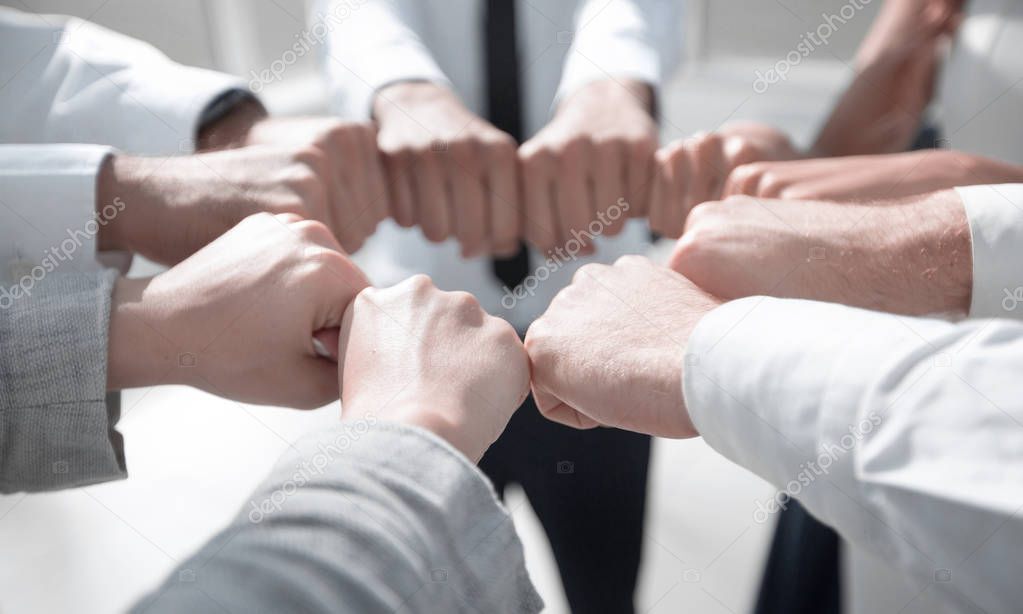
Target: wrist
430,415
232,129
137,355
117,186
613,92
398,97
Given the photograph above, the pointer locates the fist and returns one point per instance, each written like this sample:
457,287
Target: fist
347,161
414,354
450,172
597,150
695,170
609,349
242,312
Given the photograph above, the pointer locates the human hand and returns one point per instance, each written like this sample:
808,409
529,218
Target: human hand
869,177
174,206
693,170
911,256
609,349
598,149
353,169
450,172
416,355
237,318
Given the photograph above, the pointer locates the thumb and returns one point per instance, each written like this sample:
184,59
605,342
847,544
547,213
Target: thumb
325,342
554,410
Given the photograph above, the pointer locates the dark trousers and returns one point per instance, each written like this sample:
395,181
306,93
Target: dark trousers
588,489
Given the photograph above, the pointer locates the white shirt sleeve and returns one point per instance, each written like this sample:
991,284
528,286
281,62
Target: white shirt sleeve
70,81
48,217
370,47
904,434
995,215
619,39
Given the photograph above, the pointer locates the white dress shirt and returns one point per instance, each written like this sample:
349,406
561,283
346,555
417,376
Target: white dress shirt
981,90
72,92
904,434
562,46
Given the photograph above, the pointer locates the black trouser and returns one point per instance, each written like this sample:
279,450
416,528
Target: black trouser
588,489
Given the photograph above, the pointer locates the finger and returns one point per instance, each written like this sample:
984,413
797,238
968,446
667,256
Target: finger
743,180
539,225
606,178
676,208
506,214
373,163
572,207
431,198
350,171
399,188
325,342
288,218
707,162
667,196
469,218
556,411
639,176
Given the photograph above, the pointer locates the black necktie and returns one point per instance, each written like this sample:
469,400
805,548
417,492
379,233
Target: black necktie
503,98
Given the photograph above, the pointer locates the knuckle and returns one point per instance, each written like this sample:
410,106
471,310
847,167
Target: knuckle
588,272
419,281
631,260
464,300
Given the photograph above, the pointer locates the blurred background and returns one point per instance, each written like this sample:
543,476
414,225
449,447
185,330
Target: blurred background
194,458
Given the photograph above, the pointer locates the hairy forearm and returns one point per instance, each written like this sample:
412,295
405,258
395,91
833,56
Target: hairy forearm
911,257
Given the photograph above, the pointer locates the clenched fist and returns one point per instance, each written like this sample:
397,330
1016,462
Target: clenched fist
450,172
609,349
416,355
237,318
598,149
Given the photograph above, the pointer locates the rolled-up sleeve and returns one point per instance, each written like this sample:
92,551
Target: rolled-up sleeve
995,215
71,81
364,517
623,39
370,46
56,418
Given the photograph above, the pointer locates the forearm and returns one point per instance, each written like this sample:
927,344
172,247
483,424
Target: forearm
364,517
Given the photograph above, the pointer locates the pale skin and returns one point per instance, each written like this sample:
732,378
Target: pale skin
416,355
609,350
879,113
910,256
237,318
320,169
472,182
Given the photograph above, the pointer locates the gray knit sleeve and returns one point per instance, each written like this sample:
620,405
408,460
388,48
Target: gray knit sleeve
56,418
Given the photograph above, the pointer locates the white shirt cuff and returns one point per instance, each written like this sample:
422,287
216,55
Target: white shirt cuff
774,384
48,217
995,215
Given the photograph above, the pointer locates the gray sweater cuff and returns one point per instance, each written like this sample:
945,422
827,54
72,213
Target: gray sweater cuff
56,419
364,517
